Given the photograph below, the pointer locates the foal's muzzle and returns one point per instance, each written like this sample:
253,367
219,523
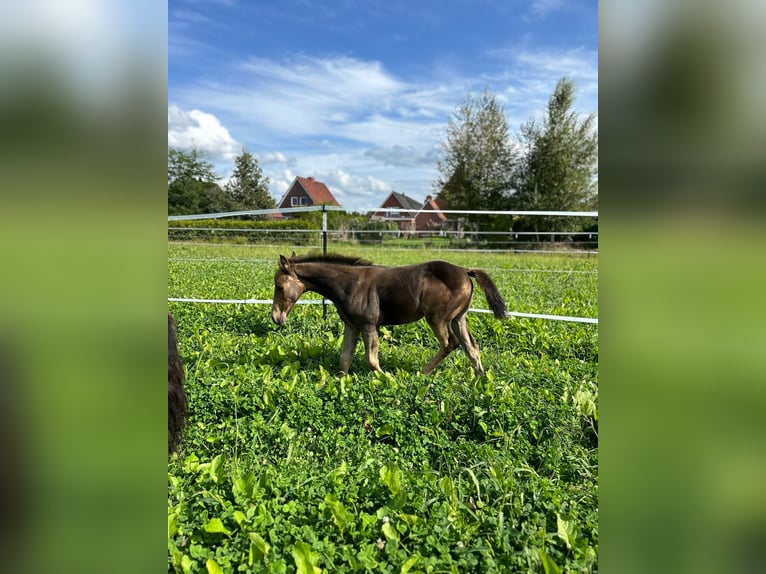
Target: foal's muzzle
279,316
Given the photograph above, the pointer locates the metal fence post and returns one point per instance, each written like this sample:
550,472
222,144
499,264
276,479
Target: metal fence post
324,252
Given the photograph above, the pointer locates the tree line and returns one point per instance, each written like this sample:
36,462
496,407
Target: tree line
550,165
193,185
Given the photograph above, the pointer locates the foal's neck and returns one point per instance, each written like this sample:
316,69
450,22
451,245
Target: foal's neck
330,281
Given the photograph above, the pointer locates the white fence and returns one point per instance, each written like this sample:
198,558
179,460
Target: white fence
325,233
466,236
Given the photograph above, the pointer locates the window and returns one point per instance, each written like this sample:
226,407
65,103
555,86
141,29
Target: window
293,201
304,200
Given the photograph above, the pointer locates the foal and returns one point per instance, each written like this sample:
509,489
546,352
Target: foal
368,296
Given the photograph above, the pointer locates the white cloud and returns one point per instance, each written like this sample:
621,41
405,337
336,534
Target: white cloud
326,80
578,64
201,130
300,95
402,156
325,97
353,190
275,157
353,125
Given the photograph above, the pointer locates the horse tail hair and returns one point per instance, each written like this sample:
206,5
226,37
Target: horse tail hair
494,299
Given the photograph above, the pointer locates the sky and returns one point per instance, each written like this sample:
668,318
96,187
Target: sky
358,93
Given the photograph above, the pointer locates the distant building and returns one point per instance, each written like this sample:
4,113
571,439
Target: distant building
404,211
306,191
412,216
430,216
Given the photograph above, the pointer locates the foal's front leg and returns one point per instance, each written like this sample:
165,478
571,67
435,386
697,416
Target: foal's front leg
350,337
370,338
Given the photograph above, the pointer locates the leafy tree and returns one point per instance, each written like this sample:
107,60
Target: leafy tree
478,157
559,170
191,182
248,188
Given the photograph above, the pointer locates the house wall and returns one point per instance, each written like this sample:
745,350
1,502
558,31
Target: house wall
403,223
392,202
429,221
296,191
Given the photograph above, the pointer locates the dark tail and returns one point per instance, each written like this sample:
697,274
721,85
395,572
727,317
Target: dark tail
494,299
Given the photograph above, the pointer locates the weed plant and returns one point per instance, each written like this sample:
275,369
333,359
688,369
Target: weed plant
290,466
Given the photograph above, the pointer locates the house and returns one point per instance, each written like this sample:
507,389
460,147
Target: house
403,212
306,191
430,217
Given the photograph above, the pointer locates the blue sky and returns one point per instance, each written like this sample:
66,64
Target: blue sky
358,93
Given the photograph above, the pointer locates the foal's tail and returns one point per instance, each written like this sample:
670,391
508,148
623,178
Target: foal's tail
494,299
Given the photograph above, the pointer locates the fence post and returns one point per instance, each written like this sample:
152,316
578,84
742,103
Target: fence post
324,252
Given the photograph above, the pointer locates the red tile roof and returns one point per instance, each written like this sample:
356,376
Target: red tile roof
318,191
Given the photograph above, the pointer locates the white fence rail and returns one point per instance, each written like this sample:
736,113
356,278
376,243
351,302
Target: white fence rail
592,320
326,208
325,232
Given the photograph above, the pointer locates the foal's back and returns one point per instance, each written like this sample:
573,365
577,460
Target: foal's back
409,292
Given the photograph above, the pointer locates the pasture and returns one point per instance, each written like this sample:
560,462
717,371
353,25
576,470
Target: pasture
290,466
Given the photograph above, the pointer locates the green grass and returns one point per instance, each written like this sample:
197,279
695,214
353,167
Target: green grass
289,466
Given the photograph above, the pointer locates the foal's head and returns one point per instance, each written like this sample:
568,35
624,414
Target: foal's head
287,290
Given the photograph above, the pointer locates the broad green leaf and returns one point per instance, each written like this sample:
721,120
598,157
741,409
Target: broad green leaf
216,468
339,473
305,559
566,531
398,500
339,513
186,563
367,556
447,486
213,567
259,548
391,476
390,532
172,524
411,561
215,526
549,565
385,430
243,485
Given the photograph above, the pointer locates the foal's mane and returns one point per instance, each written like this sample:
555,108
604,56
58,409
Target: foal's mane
331,258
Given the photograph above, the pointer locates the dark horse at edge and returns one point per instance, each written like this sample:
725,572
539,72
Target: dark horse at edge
368,296
177,406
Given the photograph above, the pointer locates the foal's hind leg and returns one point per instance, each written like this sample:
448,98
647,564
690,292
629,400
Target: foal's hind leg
460,329
350,337
447,343
370,338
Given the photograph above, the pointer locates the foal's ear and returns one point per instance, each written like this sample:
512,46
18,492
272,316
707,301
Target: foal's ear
284,264
293,256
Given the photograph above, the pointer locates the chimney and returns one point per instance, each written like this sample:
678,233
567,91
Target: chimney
311,178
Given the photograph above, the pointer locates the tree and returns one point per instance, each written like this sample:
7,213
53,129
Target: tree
560,168
248,188
478,158
191,182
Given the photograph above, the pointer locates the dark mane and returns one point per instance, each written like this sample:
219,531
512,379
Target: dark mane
332,258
